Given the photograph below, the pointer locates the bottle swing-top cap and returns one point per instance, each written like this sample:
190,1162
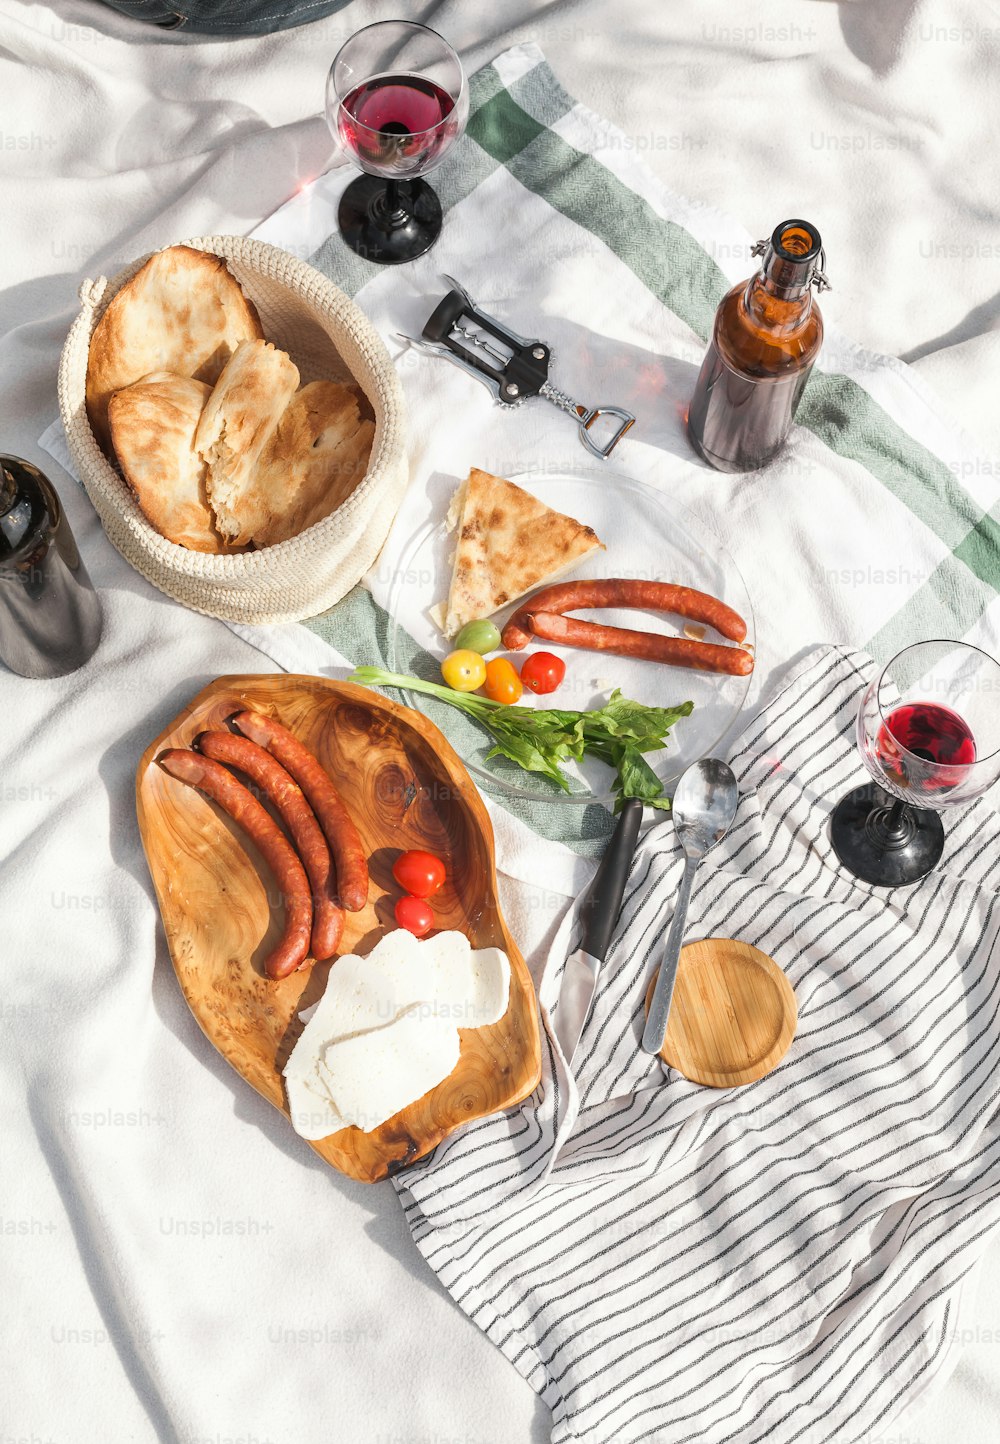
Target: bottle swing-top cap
793,257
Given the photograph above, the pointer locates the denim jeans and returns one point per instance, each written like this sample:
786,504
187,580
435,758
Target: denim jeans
226,17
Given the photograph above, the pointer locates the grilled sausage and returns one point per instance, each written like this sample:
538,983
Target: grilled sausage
334,818
629,593
298,817
234,799
652,646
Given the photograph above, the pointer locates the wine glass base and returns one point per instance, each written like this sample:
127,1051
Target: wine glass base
865,846
389,238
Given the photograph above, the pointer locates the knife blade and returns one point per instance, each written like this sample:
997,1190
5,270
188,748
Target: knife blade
599,915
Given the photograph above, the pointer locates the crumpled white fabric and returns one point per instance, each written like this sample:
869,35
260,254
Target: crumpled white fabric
118,139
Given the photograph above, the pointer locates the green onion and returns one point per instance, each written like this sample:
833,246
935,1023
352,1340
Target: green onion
540,739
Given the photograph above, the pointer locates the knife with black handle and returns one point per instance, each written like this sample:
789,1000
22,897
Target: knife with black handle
599,914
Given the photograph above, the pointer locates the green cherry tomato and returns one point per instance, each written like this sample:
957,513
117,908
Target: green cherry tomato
481,637
463,670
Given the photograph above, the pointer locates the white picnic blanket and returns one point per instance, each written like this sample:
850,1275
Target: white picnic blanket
184,1270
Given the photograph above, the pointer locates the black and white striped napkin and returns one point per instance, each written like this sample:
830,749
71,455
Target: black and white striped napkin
782,1262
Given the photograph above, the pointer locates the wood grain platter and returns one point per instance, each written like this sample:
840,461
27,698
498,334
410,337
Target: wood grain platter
405,788
733,1015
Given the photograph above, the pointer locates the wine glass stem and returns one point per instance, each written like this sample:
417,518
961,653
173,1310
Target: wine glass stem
895,825
392,207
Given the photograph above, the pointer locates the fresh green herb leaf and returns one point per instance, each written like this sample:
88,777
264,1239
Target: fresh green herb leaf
539,739
635,778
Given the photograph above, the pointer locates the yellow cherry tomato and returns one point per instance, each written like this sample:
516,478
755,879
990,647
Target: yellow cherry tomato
463,670
502,682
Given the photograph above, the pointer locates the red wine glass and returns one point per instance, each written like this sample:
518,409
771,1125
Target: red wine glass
929,733
397,101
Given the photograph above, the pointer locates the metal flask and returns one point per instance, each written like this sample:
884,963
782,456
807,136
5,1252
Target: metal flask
50,617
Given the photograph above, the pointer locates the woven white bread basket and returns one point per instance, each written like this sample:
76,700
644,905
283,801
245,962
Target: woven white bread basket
327,336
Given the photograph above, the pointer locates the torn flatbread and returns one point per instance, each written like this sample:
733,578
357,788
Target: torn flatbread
236,427
152,425
316,457
182,312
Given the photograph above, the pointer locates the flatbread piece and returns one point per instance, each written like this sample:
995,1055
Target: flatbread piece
236,428
316,457
182,312
152,426
509,542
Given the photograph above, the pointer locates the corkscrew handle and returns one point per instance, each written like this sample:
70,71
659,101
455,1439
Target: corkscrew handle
585,418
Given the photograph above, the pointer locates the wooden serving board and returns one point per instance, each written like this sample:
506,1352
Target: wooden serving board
733,1014
405,787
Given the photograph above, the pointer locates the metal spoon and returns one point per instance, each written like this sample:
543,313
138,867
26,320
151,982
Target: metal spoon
703,807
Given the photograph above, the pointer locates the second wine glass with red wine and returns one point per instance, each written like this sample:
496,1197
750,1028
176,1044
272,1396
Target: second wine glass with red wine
929,733
397,101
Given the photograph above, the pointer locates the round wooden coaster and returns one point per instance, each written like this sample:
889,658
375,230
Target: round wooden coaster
733,1014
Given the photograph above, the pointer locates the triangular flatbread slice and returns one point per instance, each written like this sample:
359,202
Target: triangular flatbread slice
509,542
152,426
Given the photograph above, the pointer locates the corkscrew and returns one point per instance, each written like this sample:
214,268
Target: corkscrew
514,368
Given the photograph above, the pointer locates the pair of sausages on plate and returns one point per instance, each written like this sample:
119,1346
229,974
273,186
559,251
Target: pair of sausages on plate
542,616
328,852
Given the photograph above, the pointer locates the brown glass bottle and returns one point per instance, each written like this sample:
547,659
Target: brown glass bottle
767,334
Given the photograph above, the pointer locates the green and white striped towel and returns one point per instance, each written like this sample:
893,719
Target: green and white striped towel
877,526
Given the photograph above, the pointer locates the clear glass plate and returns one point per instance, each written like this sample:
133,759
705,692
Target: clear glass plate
649,536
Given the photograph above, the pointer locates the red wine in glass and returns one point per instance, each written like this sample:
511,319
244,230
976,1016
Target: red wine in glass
926,733
933,733
925,757
397,101
398,122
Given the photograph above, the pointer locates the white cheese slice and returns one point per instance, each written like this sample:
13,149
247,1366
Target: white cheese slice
434,986
311,1107
363,993
471,988
490,986
371,1076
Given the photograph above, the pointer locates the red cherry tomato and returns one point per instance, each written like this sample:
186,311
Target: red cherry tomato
419,873
414,914
502,682
542,672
